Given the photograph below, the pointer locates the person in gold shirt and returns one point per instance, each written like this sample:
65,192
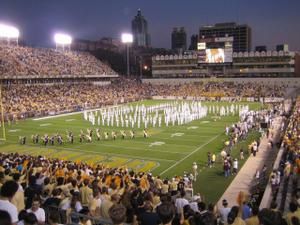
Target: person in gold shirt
86,193
18,199
95,203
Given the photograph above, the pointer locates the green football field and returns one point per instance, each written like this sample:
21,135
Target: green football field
168,151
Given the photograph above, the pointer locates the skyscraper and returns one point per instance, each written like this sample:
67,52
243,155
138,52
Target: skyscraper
194,42
241,34
179,39
139,25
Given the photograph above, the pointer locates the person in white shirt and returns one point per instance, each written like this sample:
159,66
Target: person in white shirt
37,211
194,204
8,190
195,172
224,212
181,202
235,166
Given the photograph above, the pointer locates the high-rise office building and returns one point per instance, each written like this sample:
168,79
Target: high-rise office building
139,25
179,39
282,47
194,42
241,34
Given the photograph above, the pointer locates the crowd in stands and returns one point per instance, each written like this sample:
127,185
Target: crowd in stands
284,180
220,89
65,97
71,97
23,61
38,190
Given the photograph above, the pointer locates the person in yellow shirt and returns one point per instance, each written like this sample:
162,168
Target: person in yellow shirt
60,172
213,159
108,180
95,203
144,184
18,199
86,193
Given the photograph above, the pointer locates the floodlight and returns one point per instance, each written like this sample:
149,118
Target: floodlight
62,39
127,38
8,31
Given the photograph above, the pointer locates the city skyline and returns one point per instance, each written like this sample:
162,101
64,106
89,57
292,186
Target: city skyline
272,22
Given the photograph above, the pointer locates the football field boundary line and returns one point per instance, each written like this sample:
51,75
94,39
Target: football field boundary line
187,156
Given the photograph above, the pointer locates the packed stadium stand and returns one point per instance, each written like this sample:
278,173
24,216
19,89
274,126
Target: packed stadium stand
286,167
73,192
22,61
23,100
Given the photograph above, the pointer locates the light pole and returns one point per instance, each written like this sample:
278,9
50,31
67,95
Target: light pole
9,33
127,39
62,40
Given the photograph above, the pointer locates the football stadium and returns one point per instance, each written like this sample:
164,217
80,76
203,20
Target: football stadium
206,135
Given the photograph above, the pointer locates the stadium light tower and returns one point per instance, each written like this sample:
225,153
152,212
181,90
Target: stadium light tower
63,40
127,39
9,33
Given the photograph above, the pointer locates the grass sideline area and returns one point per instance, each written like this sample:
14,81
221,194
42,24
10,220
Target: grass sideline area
167,152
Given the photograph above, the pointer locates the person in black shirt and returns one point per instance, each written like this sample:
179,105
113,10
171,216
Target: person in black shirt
148,217
54,200
31,191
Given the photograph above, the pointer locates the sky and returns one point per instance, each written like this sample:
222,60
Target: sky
272,21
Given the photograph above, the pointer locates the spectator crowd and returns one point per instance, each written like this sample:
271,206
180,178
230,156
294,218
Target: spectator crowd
39,190
23,61
40,100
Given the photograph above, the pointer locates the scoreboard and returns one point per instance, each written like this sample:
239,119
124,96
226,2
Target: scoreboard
215,50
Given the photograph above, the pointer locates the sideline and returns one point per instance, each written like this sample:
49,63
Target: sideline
184,158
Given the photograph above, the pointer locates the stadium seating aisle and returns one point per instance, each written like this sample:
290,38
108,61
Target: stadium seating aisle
245,179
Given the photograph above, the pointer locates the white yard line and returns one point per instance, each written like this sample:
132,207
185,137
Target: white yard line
56,116
45,124
184,158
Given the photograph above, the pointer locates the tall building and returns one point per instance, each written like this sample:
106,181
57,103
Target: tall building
179,39
139,25
241,34
282,47
194,42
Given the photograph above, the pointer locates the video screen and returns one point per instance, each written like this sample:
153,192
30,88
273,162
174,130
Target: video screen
215,55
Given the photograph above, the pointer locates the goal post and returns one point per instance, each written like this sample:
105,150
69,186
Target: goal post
3,136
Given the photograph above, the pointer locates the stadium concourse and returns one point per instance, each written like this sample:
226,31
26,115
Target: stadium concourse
39,189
